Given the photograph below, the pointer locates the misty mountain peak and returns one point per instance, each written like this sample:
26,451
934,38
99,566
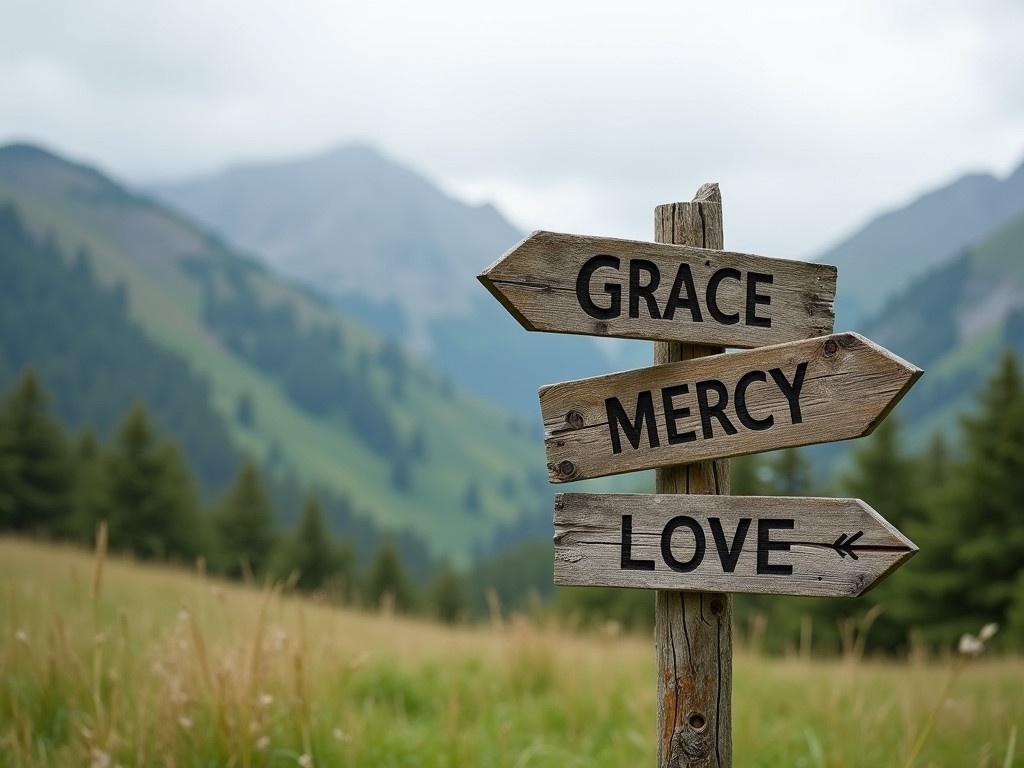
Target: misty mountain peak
351,221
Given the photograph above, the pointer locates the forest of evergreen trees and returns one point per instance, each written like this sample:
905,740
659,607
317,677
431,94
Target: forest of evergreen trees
62,486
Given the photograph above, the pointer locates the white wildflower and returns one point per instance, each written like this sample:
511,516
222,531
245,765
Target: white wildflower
970,645
21,636
262,743
306,760
185,722
341,736
183,615
100,759
988,632
266,700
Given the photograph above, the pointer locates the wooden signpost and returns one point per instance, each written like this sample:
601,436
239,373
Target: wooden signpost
804,392
692,542
601,286
758,544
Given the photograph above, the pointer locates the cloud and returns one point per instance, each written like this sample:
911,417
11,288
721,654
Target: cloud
568,115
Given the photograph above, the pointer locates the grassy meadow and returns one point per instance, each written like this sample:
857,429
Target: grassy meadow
126,664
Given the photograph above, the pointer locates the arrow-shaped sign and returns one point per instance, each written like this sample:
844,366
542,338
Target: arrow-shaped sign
601,286
762,544
815,391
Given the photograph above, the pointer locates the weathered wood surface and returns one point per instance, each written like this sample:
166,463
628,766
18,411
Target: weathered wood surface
602,286
693,631
820,390
817,547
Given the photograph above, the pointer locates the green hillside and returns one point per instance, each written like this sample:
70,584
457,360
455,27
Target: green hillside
883,257
297,385
398,254
955,321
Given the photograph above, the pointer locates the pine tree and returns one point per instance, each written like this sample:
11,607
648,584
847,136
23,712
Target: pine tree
89,504
35,463
886,479
153,501
318,558
447,597
245,523
387,578
972,541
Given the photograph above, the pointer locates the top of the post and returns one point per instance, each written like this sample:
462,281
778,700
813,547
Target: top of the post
708,193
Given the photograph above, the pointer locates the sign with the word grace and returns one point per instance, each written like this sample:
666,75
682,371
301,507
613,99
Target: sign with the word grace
601,286
769,545
814,391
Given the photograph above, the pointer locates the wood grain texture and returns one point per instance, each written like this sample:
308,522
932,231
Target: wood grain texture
693,630
835,547
536,281
849,384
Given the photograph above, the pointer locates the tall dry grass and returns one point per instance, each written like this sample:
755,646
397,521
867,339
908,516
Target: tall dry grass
106,662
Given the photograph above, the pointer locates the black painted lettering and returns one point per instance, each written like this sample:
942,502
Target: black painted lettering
742,411
754,299
646,291
586,298
684,279
634,429
726,273
672,414
699,544
729,555
765,546
707,411
791,390
626,561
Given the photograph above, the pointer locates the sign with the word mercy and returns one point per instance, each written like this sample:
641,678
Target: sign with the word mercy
602,286
815,391
770,545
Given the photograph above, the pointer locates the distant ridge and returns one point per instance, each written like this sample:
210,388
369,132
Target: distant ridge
879,259
352,221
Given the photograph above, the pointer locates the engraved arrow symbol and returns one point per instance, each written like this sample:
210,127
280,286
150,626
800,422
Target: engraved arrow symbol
844,546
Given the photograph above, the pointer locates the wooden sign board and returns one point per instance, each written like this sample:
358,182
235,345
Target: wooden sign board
767,545
815,391
602,286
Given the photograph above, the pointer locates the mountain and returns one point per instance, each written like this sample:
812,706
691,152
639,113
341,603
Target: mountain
380,241
283,374
955,321
881,258
354,223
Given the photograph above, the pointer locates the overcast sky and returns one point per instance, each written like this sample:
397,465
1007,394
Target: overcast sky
576,116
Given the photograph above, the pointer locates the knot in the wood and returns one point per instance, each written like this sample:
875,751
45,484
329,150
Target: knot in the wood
563,470
689,743
574,419
831,347
717,606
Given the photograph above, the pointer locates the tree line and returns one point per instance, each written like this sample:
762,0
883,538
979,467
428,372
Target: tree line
59,485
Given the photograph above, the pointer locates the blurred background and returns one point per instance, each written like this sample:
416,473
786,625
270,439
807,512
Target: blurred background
240,323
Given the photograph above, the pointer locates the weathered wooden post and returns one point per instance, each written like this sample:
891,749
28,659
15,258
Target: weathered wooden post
693,630
797,383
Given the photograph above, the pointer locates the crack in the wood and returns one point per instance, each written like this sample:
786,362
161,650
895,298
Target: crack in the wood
675,683
718,704
686,634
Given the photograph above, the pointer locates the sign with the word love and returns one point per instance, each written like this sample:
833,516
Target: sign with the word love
769,545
